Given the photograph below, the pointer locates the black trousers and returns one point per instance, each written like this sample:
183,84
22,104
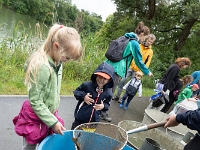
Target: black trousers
194,144
172,99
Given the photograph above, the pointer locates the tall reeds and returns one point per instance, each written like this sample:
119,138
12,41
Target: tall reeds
15,50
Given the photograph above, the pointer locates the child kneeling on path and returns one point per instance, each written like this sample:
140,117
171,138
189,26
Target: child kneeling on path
131,89
94,96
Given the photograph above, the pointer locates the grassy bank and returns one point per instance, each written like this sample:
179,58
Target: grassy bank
15,50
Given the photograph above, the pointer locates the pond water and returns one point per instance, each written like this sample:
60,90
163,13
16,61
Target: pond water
11,21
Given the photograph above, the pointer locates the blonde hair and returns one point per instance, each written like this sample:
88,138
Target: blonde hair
68,39
152,37
181,62
139,73
141,28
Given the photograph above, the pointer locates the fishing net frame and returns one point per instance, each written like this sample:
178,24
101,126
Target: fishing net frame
100,136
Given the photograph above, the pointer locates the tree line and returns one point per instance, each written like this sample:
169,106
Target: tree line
176,25
62,11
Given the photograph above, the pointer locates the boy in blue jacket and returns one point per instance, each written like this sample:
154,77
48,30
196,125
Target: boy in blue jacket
94,96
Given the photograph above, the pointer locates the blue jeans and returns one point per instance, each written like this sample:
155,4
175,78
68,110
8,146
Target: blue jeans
130,73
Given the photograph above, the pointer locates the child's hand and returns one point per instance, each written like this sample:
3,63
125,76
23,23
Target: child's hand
191,99
88,99
99,106
58,128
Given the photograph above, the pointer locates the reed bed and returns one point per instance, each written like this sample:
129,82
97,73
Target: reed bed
15,50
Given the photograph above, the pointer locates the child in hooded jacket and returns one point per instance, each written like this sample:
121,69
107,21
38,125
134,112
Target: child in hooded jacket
94,96
131,89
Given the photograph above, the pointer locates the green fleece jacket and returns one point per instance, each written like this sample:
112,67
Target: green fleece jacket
185,94
44,96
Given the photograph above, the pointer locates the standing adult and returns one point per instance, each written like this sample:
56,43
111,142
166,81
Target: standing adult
147,54
132,51
170,82
192,120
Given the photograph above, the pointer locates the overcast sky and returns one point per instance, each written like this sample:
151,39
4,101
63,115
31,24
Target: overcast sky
100,7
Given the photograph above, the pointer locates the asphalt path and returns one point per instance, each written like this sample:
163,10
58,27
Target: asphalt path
10,107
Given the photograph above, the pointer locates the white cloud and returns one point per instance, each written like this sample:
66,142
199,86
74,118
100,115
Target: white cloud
100,7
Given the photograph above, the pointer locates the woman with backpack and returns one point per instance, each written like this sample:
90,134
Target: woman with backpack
131,52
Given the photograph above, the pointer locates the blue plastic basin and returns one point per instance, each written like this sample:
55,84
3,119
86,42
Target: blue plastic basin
59,142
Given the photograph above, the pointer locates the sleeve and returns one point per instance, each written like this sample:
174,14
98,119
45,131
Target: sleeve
140,90
79,93
135,50
184,93
190,118
149,59
195,78
107,100
37,94
173,72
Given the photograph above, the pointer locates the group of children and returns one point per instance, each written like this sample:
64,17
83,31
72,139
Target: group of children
43,74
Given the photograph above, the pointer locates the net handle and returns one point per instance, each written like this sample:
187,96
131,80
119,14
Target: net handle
147,127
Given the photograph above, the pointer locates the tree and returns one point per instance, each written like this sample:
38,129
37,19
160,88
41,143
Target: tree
173,22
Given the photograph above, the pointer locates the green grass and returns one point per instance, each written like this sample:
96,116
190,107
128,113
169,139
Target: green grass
15,50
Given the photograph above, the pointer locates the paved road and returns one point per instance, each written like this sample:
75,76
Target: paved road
10,107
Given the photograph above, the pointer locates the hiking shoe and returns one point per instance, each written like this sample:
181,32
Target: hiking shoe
115,99
106,118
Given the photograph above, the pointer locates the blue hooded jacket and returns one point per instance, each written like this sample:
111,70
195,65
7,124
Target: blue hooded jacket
83,111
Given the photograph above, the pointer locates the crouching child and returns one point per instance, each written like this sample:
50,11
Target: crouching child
94,96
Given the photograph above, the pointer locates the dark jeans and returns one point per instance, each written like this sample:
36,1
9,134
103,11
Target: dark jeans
126,95
172,99
116,81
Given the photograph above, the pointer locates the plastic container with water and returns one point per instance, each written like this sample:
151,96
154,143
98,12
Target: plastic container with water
59,142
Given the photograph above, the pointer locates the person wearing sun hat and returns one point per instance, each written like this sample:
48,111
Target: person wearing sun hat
187,93
94,96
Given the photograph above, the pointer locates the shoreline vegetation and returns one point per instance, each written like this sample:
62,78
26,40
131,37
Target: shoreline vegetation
15,50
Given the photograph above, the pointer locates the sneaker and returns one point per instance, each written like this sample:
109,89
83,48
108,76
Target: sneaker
115,99
119,101
125,107
120,106
106,118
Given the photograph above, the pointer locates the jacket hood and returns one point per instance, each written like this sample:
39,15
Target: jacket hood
131,35
105,68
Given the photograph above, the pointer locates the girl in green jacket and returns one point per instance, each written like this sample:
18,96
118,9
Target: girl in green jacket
187,93
44,73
